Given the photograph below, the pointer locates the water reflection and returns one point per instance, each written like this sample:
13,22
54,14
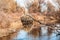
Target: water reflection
21,35
37,34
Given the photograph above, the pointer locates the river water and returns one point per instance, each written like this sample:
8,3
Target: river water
23,35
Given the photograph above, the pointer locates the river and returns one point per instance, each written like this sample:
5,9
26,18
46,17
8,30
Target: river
23,35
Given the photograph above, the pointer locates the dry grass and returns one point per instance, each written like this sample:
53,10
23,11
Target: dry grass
7,5
9,23
10,15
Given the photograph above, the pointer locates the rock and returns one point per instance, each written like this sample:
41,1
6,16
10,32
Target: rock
26,21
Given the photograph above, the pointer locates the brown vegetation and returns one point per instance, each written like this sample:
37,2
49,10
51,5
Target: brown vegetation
7,5
10,17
